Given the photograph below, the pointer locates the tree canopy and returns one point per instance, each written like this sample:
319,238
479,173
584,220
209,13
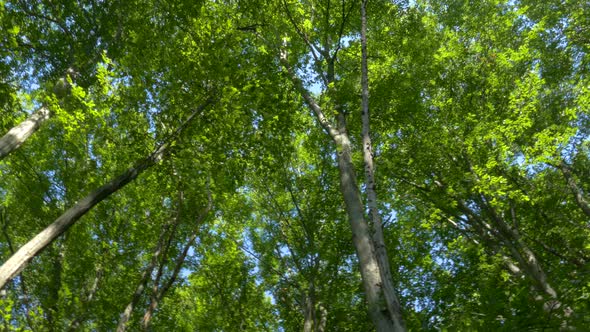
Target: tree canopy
292,165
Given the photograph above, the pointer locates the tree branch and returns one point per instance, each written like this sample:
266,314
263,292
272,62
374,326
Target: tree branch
314,51
311,102
26,253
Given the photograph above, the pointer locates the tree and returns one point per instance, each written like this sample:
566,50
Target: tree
324,45
471,150
453,134
19,260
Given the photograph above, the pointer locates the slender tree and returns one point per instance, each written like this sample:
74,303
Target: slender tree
26,253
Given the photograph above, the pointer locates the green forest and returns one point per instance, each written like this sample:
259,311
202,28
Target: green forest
294,165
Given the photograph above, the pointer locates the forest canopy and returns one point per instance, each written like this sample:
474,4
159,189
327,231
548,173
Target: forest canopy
288,165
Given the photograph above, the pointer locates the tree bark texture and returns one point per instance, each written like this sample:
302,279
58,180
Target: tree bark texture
520,251
365,249
323,318
371,274
308,313
20,133
389,294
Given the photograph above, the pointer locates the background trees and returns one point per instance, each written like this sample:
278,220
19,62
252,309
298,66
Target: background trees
478,114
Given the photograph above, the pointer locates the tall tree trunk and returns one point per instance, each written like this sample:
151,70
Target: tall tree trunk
510,237
376,287
530,264
370,270
391,299
321,327
363,243
308,309
521,252
23,284
310,322
161,292
21,258
20,133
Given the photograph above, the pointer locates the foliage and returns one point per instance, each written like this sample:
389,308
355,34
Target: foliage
480,125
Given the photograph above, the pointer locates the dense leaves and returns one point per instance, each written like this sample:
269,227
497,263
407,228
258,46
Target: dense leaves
479,125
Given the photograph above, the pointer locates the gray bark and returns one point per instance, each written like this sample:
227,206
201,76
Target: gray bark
308,314
20,133
17,262
311,322
23,284
531,265
157,298
371,271
389,294
365,249
510,237
521,252
323,318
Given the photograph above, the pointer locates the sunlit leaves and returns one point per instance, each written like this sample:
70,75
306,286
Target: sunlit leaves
474,105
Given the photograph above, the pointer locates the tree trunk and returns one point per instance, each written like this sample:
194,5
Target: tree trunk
531,265
23,284
20,133
365,249
310,322
159,294
371,274
308,309
21,258
388,289
26,253
520,251
498,235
